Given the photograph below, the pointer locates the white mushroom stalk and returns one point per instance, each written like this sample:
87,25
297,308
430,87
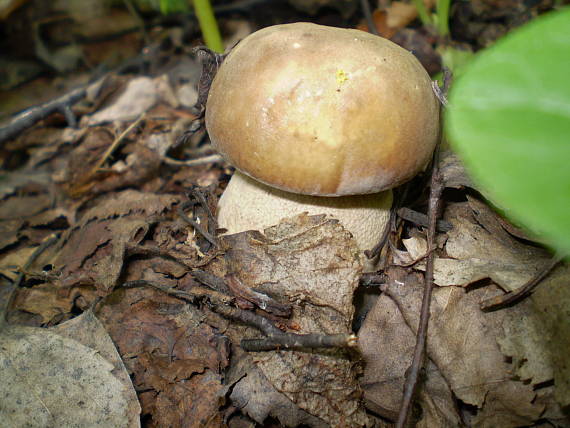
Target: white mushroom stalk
313,116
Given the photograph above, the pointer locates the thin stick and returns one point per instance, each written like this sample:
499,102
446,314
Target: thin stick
33,115
207,235
520,293
277,339
194,162
49,240
114,145
421,337
369,18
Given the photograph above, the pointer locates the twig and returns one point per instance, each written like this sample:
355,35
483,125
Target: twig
114,145
33,115
520,293
194,162
372,279
189,296
421,219
198,194
419,351
369,18
278,339
49,240
298,341
262,301
207,235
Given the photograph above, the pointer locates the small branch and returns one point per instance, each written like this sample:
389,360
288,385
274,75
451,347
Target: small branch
190,296
520,293
207,235
48,241
33,115
421,337
421,219
278,339
114,146
299,341
262,301
368,17
194,162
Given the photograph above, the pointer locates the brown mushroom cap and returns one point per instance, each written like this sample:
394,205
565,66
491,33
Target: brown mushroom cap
323,111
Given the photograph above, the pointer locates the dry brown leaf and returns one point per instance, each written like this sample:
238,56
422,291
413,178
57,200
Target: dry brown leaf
129,202
172,354
476,250
552,301
314,262
139,95
462,342
9,232
43,301
93,251
256,397
12,262
17,207
387,344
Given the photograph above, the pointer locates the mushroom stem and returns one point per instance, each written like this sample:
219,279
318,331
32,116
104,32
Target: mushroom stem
250,205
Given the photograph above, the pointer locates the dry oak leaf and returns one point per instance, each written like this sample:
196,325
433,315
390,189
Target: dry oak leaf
314,262
93,251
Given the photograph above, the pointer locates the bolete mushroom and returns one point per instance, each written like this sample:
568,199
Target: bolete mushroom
319,119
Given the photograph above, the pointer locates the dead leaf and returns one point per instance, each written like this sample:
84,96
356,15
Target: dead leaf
477,248
301,260
12,263
387,344
254,395
58,382
88,330
18,207
172,354
9,232
552,300
462,343
139,95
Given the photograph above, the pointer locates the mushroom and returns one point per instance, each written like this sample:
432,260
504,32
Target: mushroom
321,120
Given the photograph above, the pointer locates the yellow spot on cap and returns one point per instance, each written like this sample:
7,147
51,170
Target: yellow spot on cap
341,77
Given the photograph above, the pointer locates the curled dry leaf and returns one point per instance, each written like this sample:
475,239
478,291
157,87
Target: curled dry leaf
90,254
463,344
313,262
256,397
172,354
477,248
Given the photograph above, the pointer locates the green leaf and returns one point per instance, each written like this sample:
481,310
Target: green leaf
509,120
